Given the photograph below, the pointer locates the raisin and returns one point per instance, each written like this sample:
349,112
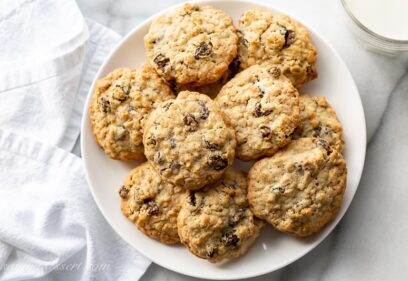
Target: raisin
190,122
290,37
303,167
217,162
204,50
229,239
167,106
192,198
104,105
211,146
161,61
151,207
175,165
316,131
324,144
204,112
236,217
210,251
265,131
279,188
258,110
151,141
261,92
123,192
172,143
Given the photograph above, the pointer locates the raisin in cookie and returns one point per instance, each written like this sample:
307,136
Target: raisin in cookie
318,119
119,107
263,107
299,189
189,141
151,203
192,44
215,223
280,40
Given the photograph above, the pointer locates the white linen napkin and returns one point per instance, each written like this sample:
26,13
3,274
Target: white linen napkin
43,92
33,30
50,226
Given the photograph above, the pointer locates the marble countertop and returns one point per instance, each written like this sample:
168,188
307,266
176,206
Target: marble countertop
371,241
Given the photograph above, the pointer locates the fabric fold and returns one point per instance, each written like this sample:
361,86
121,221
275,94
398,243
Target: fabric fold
51,229
52,221
45,100
101,42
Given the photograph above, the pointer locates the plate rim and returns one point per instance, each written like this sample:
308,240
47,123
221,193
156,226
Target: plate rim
85,122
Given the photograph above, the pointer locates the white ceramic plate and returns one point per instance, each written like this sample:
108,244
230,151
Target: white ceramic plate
272,250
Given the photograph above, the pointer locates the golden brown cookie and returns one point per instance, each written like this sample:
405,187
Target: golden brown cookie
318,119
215,223
263,107
119,106
299,189
189,141
280,40
151,203
193,44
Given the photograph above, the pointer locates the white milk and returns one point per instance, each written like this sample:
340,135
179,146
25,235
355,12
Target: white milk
388,18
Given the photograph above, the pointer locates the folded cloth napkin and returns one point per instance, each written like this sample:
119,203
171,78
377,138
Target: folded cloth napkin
33,30
50,226
43,92
41,58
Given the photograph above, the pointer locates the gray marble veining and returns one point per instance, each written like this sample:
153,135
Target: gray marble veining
371,241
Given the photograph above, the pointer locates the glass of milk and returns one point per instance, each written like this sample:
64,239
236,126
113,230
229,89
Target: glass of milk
381,25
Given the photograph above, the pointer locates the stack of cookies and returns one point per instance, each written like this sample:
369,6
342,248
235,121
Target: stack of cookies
209,93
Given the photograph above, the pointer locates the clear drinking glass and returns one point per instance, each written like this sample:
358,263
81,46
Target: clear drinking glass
371,39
